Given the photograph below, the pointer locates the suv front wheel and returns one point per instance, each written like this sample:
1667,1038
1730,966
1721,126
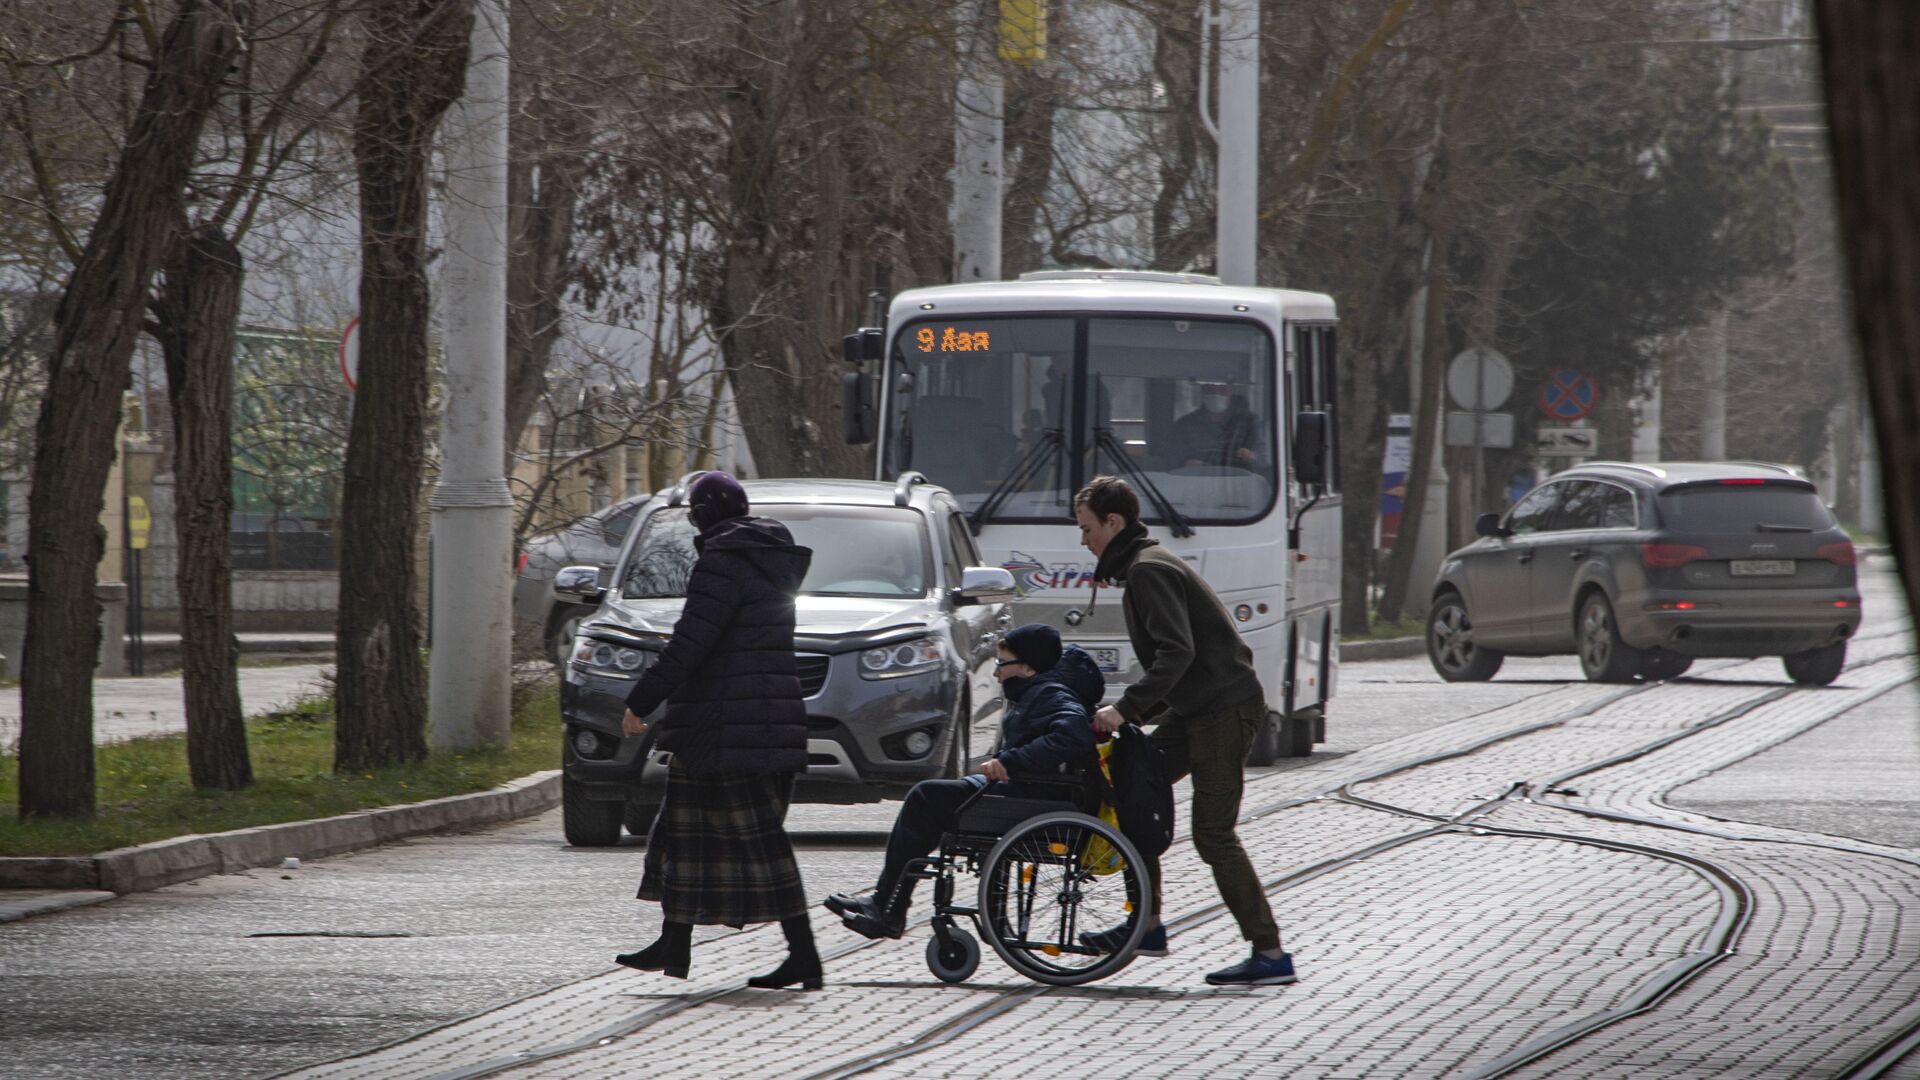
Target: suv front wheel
1450,645
588,822
1603,656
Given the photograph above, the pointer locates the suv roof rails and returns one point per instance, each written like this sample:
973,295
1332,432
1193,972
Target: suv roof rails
903,488
1659,474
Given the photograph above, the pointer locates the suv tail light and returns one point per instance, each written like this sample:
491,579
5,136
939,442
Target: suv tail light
1840,554
1661,556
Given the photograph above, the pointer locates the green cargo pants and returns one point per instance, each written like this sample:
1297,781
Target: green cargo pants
1212,748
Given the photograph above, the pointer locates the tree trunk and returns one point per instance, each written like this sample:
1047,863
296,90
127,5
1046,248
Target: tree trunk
1426,440
97,324
198,312
539,256
784,377
1029,137
1873,94
412,70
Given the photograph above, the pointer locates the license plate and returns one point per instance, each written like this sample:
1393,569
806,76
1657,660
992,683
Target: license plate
1105,659
1762,567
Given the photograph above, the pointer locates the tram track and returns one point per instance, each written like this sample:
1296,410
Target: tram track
1735,895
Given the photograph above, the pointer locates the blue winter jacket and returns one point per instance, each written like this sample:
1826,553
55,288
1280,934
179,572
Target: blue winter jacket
1048,728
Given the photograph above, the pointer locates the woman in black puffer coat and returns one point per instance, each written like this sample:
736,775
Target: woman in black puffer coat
735,723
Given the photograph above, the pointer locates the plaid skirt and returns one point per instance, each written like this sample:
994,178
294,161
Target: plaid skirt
718,852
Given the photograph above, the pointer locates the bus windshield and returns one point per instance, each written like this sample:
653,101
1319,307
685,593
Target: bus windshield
1013,414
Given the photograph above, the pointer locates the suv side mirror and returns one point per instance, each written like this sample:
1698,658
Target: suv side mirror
1310,441
984,585
579,585
1489,525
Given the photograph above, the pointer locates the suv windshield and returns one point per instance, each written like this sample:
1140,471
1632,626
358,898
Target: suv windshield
857,551
1031,408
1743,508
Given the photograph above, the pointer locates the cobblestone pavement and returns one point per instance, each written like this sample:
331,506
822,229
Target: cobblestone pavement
1502,893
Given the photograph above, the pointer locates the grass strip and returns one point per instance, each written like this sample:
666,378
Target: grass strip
1381,630
143,792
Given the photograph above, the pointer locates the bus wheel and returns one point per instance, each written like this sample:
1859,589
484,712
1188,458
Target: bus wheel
1282,737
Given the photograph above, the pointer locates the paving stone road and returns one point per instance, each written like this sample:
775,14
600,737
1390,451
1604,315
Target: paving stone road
1534,877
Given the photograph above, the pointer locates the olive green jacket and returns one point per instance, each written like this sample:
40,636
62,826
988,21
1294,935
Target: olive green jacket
1193,659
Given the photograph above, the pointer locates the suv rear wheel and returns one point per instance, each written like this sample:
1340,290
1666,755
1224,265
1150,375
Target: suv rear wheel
1816,667
1603,656
1450,644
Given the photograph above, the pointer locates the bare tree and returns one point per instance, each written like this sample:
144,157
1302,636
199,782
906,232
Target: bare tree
1873,90
412,69
99,318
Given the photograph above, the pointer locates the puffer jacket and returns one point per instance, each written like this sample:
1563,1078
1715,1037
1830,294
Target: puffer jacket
1048,729
728,676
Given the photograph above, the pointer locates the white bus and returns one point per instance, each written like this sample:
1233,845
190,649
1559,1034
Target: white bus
1216,403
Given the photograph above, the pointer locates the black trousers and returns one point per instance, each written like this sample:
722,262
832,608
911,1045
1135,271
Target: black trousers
929,811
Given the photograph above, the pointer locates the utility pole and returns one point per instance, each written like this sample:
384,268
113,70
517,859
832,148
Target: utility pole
1236,137
1713,403
470,672
979,143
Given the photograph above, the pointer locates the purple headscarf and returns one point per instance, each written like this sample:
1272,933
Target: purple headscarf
714,497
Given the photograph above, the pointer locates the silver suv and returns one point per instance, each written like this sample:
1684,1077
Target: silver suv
895,638
1639,569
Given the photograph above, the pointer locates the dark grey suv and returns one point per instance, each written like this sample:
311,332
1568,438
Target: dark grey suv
1639,569
897,624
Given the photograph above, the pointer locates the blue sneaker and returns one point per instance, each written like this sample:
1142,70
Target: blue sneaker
1256,970
1152,943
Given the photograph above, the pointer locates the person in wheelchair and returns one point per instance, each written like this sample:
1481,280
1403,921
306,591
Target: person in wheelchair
1046,733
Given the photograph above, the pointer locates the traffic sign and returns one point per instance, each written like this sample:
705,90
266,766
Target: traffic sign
1495,429
139,522
350,353
1566,441
1479,379
1569,395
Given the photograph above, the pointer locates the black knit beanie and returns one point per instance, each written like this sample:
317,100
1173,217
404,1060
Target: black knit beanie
1036,645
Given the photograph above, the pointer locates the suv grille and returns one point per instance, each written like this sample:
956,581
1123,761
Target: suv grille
813,672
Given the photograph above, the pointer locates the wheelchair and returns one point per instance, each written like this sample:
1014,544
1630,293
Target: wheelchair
1048,871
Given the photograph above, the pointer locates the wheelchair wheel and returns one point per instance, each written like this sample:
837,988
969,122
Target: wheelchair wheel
956,959
1053,878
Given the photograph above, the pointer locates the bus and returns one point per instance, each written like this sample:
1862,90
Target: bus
1217,403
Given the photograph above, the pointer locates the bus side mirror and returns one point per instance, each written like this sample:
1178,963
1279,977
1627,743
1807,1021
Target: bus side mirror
864,344
856,407
1310,445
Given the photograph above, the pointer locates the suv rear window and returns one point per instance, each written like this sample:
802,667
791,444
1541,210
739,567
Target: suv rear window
1743,508
857,551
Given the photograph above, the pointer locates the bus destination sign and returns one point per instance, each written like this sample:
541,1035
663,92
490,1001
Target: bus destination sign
949,339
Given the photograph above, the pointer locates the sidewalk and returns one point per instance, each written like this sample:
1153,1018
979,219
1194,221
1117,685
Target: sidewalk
130,707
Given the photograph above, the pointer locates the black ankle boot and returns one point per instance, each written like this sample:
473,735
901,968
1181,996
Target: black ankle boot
883,921
670,955
796,968
802,964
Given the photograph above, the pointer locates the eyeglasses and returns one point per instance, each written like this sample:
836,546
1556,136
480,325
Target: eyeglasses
999,663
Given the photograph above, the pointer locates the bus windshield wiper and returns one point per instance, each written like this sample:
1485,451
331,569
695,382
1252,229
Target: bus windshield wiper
1103,438
1050,444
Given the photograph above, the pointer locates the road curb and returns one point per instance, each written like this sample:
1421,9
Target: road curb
183,858
1389,649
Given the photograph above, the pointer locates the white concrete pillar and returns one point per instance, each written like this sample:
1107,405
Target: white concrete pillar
979,146
470,672
1238,146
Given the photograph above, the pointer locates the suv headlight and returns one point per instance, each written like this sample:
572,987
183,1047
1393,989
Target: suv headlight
902,658
607,658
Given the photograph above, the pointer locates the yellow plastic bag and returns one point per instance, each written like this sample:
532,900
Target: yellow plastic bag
1101,857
